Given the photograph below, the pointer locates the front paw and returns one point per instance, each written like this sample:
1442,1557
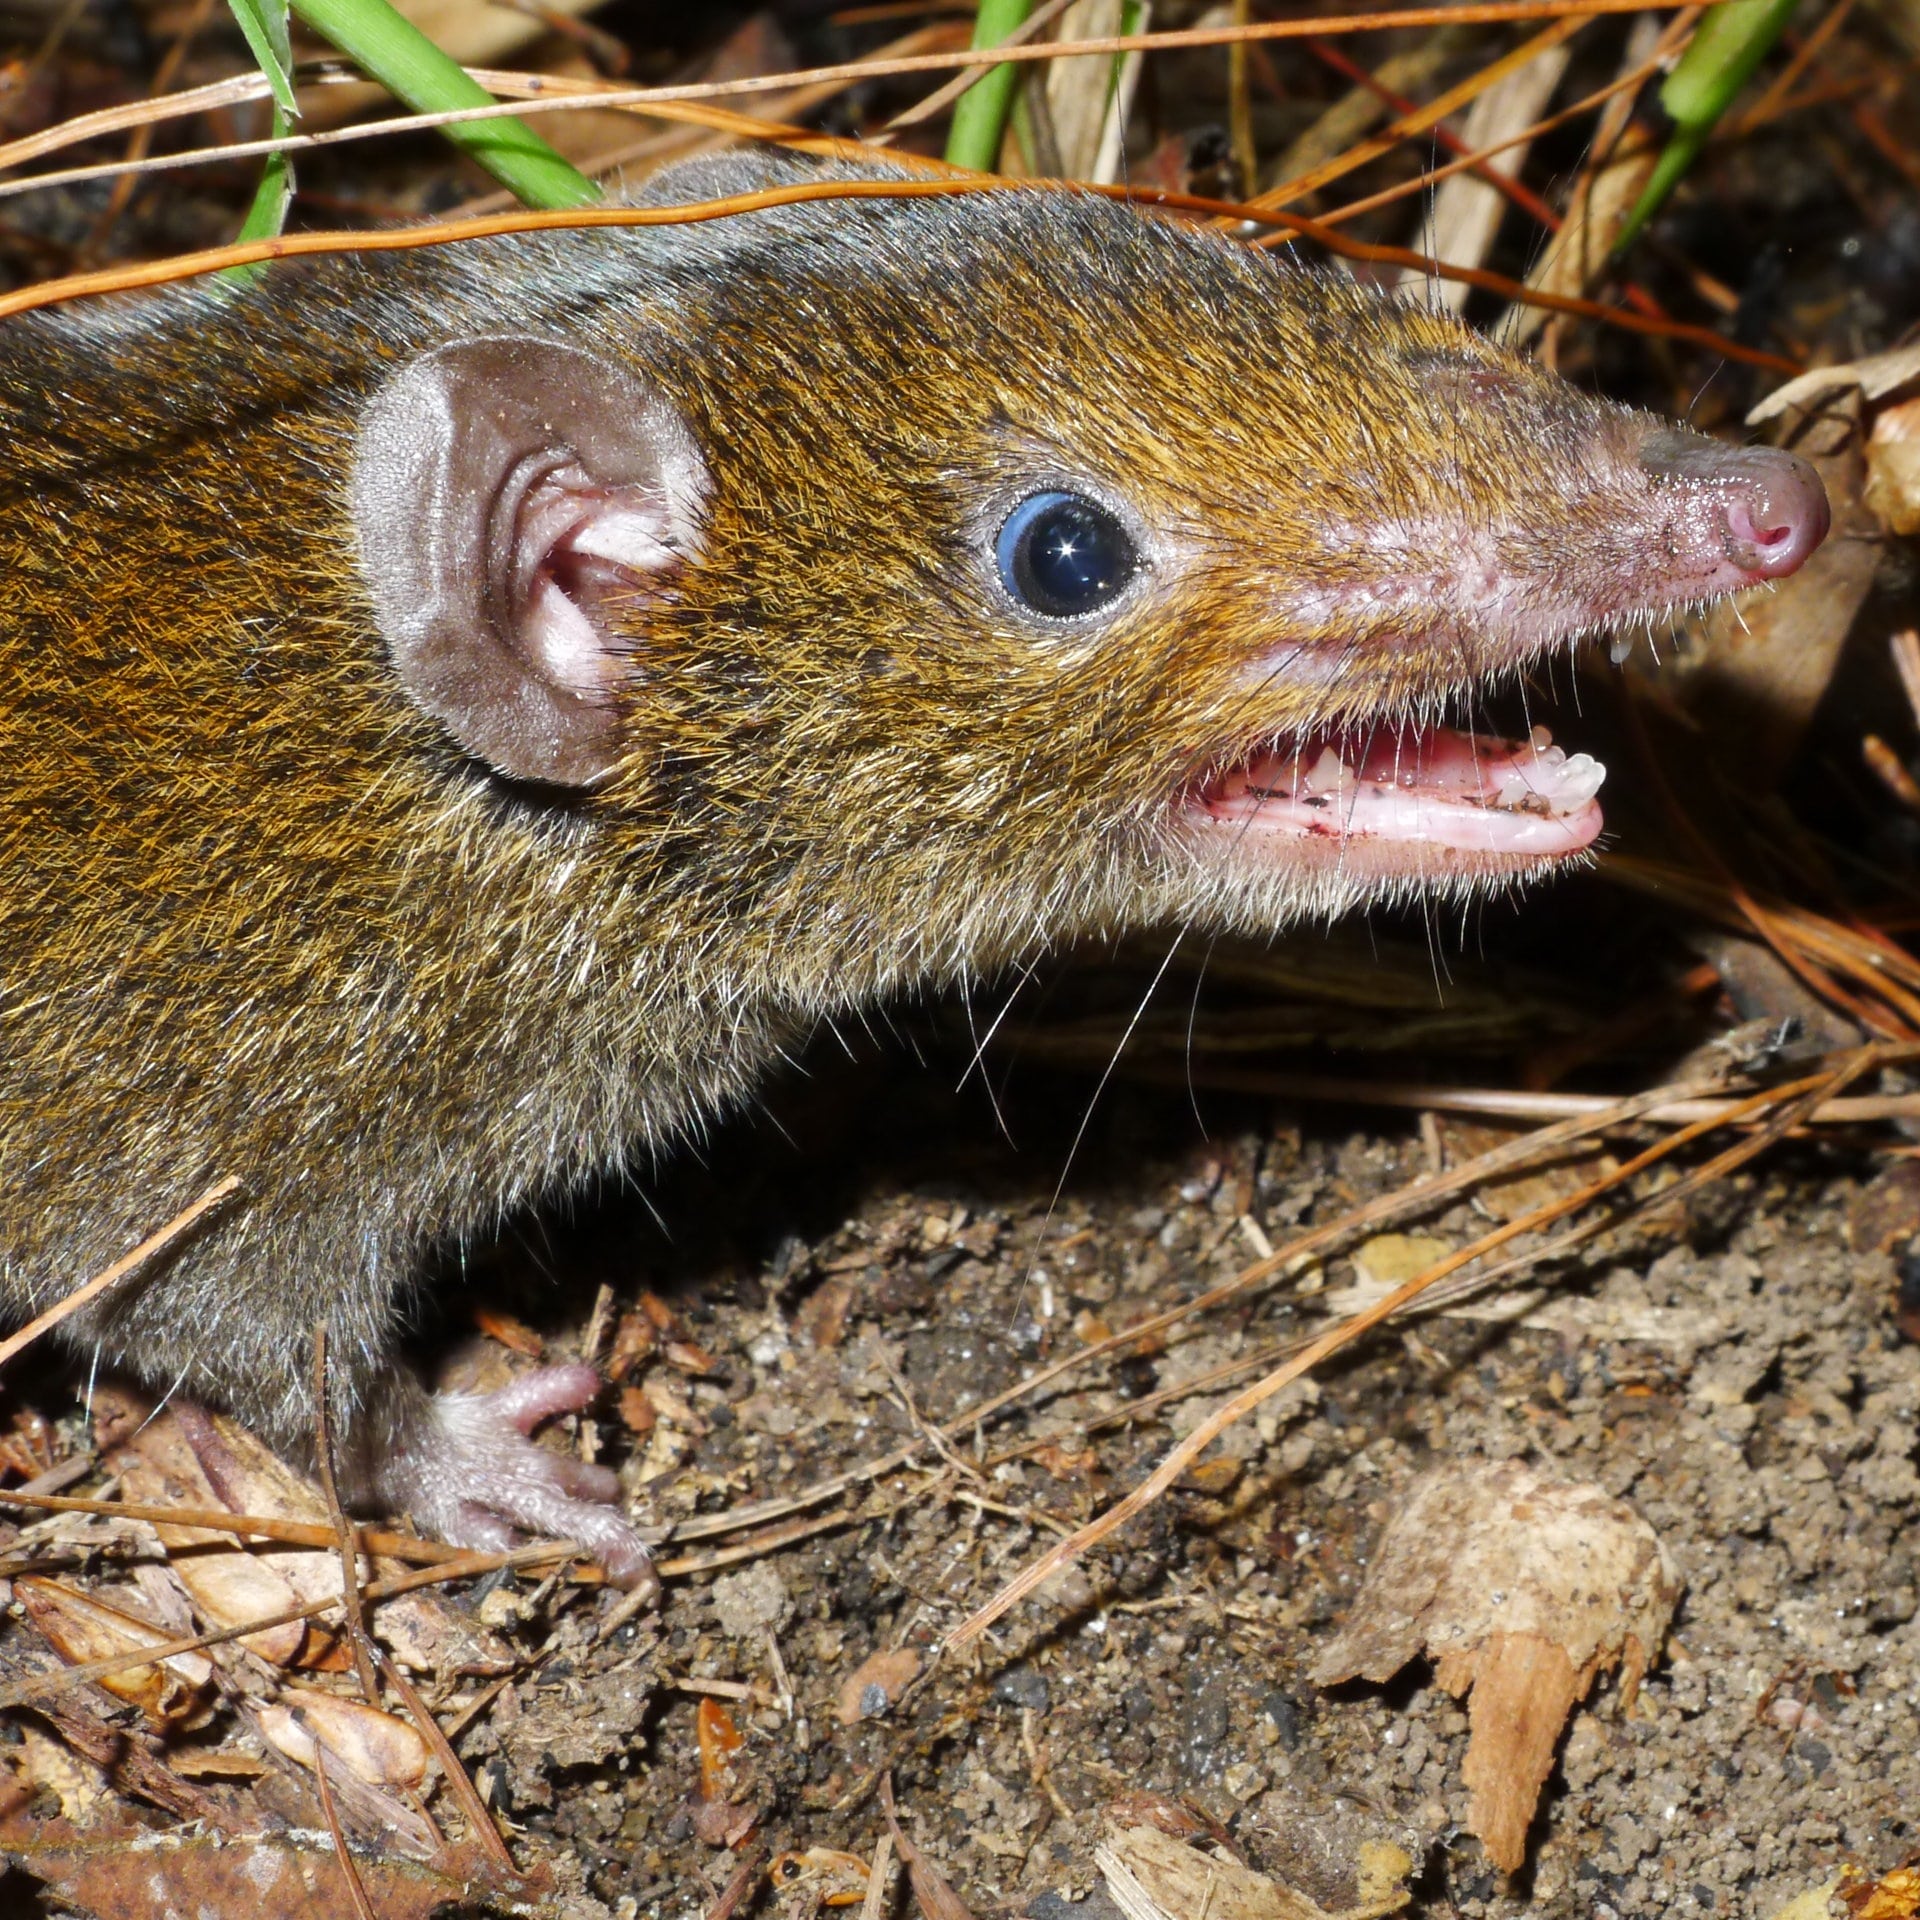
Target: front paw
466,1471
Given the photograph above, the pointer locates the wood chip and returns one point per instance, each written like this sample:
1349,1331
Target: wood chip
876,1684
1523,1589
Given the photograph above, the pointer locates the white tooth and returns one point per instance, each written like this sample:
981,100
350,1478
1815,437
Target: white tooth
1621,650
1515,788
1553,759
1328,774
1580,779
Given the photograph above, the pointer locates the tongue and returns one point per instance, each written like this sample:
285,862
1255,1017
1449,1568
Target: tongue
1440,789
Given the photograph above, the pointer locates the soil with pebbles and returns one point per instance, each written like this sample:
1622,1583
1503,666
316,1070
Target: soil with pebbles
876,1259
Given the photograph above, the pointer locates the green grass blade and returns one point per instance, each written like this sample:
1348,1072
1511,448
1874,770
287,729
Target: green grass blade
392,50
980,114
271,198
264,24
267,25
1728,45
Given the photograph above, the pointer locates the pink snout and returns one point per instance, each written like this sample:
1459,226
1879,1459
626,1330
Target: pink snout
1753,513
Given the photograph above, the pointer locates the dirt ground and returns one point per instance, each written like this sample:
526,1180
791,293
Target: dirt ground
873,1256
1735,1373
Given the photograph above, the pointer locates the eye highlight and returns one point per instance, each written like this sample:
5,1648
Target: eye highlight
1064,555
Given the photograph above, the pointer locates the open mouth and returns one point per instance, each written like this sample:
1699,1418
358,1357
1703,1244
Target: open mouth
1673,520
1401,801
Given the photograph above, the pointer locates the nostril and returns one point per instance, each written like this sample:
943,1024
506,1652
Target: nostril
1740,522
1776,513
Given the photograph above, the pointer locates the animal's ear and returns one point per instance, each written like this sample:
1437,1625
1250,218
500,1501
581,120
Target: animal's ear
506,494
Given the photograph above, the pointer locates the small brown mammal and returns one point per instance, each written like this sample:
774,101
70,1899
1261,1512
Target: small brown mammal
462,715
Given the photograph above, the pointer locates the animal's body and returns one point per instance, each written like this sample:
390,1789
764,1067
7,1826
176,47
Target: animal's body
462,715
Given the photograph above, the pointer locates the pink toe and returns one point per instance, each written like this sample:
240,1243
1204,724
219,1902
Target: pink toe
473,1526
597,1486
542,1393
629,1566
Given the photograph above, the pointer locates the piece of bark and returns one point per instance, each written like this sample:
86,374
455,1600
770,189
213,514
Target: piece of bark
1523,1589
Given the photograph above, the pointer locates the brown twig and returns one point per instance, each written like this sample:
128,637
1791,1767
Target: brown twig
1863,952
458,1784
948,92
681,1565
1769,103
352,1611
733,1896
1500,1103
356,1888
289,246
1476,162
772,118
555,96
243,1526
174,1231
1508,185
245,87
1240,135
1416,120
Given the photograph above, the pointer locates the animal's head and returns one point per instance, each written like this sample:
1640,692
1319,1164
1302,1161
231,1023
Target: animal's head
973,569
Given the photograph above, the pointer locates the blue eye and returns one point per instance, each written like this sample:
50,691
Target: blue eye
1064,555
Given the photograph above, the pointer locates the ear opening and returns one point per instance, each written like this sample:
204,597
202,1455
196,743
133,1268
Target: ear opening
507,492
